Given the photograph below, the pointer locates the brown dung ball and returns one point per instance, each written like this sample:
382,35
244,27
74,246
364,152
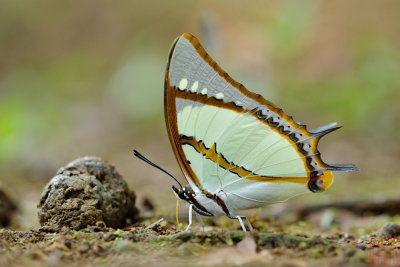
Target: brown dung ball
86,192
7,209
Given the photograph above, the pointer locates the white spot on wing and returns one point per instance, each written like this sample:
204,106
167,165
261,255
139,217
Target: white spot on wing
182,84
204,91
194,87
238,103
219,95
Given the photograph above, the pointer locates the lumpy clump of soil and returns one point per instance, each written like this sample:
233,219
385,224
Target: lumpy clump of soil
86,192
7,209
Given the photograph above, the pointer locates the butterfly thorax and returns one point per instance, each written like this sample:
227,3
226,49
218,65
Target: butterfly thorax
203,202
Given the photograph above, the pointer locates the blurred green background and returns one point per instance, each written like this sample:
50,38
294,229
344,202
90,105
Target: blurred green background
86,78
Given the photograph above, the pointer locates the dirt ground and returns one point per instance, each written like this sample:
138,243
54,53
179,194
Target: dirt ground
156,242
317,232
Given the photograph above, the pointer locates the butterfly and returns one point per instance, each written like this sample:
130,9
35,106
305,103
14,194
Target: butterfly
236,149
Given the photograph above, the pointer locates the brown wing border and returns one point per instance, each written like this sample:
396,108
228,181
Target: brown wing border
171,123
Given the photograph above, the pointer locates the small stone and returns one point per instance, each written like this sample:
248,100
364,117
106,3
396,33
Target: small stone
100,224
83,247
389,230
362,247
123,246
67,243
247,245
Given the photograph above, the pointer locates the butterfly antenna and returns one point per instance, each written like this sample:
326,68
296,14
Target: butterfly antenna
140,156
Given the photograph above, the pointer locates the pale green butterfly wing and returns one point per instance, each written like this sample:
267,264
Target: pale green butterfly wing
228,138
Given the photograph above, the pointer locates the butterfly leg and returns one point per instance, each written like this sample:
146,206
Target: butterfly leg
190,217
241,223
249,224
239,218
200,220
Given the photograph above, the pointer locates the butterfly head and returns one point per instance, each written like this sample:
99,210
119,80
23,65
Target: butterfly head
180,193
